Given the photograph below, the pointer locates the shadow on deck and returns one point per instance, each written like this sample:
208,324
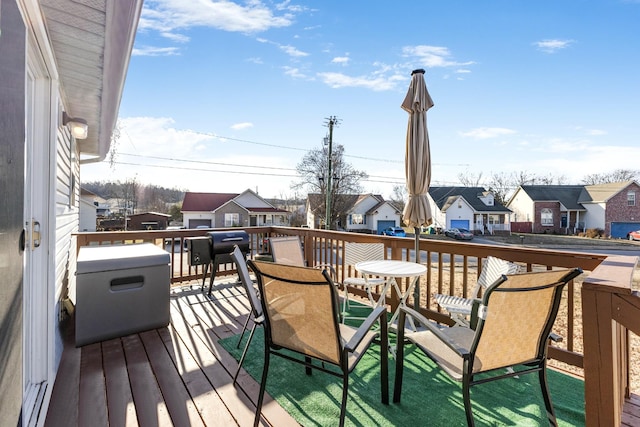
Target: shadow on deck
178,375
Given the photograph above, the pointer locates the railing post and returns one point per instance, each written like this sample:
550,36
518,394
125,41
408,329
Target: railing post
604,339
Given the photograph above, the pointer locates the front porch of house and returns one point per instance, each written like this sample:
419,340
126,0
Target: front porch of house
180,375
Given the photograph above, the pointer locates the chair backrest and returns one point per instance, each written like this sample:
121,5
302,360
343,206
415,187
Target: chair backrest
516,318
243,272
492,269
358,252
287,250
301,309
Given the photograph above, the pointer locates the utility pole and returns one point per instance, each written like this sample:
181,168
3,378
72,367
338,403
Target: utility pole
331,122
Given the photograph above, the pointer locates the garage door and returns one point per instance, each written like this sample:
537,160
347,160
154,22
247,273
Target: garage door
194,223
619,230
460,223
384,224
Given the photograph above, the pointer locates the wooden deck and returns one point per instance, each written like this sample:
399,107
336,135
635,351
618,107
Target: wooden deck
173,376
178,375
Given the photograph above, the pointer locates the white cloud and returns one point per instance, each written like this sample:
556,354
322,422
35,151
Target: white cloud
294,72
377,83
487,133
596,132
432,56
552,45
154,51
166,16
342,60
292,51
241,126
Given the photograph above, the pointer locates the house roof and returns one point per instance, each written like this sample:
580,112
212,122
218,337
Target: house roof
210,202
205,202
349,201
602,192
92,43
568,195
445,196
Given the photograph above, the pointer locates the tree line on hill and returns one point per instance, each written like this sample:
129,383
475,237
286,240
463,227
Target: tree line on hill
140,197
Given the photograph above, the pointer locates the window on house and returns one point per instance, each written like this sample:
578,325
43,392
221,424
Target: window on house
631,198
357,219
231,219
546,217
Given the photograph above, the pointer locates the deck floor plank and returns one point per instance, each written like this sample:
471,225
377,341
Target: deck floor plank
122,411
176,396
150,405
210,406
63,406
92,404
238,403
224,300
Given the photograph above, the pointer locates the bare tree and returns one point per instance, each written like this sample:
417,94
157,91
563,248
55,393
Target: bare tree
399,196
618,175
313,170
469,179
501,185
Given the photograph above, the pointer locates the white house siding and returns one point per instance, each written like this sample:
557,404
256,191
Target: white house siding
385,213
522,207
362,207
464,212
88,216
595,215
250,199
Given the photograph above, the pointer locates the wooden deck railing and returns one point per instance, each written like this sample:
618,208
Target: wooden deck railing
454,265
612,309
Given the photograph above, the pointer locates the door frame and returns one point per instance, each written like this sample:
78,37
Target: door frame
39,281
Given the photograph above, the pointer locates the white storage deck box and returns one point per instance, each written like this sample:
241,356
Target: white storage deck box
121,289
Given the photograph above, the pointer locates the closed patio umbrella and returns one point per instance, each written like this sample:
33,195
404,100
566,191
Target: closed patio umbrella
417,160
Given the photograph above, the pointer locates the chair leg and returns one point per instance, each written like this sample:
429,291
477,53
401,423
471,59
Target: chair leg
263,384
345,392
244,328
397,385
544,386
244,352
466,396
384,358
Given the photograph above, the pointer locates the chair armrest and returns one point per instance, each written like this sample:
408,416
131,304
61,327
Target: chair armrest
355,340
434,329
475,307
555,337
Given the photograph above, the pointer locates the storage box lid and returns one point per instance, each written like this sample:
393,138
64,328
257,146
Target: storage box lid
92,259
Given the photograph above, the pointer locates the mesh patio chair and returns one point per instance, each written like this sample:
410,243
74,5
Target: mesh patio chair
459,308
302,315
288,250
254,301
515,317
353,254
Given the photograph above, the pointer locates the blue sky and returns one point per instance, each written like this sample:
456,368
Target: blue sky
222,96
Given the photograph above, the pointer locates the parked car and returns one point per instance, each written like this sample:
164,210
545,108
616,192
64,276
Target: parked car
394,231
458,233
634,235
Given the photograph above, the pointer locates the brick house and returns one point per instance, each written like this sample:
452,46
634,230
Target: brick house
568,209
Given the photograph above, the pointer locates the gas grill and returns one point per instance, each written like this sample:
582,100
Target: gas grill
219,245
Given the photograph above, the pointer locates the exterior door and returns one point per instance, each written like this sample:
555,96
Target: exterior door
37,287
12,140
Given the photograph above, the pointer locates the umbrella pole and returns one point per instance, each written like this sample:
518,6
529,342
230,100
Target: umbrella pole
416,290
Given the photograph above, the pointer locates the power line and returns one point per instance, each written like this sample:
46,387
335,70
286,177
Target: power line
286,147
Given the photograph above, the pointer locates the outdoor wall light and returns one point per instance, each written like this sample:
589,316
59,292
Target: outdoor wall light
78,127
